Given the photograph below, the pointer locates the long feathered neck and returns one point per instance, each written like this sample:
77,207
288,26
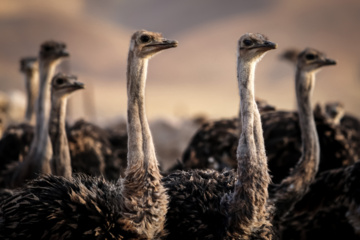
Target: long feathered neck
38,160
41,146
61,161
145,197
292,188
248,202
310,144
141,151
32,89
44,102
248,69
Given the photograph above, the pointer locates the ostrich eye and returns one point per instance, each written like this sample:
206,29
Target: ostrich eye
310,56
60,81
247,42
48,48
144,38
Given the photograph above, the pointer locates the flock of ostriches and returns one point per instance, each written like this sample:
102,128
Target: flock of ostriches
267,174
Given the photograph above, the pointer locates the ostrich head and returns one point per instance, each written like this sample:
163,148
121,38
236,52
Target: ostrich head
63,85
334,111
253,46
53,51
145,44
311,60
28,64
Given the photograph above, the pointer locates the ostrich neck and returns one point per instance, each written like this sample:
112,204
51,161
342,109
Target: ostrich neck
142,182
40,150
248,70
32,88
292,188
250,194
141,151
246,73
61,161
309,137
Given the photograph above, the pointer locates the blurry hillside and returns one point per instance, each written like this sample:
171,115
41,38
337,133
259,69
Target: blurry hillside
200,75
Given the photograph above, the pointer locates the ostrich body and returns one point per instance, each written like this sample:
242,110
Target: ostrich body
61,87
15,144
118,139
92,152
40,152
327,209
228,205
214,144
92,208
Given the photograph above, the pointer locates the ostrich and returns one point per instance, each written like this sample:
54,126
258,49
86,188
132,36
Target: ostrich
292,188
14,144
40,152
29,67
90,207
61,87
327,209
321,212
206,204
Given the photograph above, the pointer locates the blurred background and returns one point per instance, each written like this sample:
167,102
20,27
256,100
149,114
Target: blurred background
198,77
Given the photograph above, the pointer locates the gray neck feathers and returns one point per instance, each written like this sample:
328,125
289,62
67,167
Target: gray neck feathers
61,161
32,88
40,149
141,151
250,194
310,144
292,188
38,159
145,198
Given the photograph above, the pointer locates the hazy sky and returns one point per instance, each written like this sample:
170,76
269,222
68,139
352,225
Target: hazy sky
200,75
